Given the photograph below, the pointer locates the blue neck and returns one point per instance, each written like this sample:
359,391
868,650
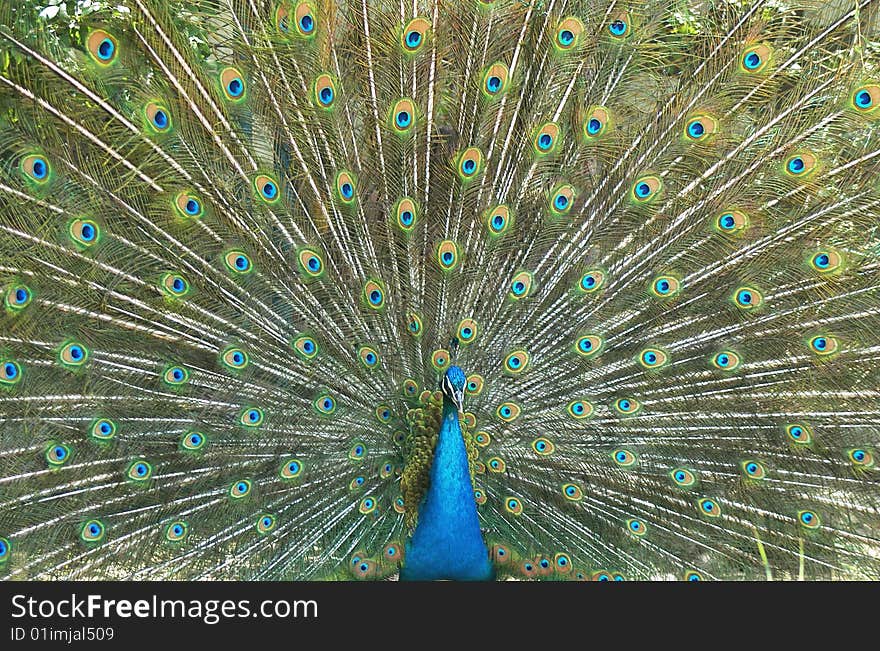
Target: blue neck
447,542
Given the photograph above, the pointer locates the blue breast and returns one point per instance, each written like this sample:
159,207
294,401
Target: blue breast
447,542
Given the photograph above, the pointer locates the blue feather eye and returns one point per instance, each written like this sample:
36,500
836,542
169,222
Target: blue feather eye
414,35
174,285
700,127
357,451
543,446
252,417
267,188
345,187
498,220
709,508
568,33
175,375
469,163
139,471
619,27
748,298
405,214
265,523
85,233
726,360
823,345
496,465
592,281
36,168
753,469
624,458
646,188
693,576
92,531
546,138
101,46
516,362
325,404
374,294
403,116
188,205
809,519
290,469
57,455
5,550
508,411
826,262
799,433
731,222
325,91
193,441
683,477
580,409
562,199
240,489
589,346
158,117
861,457
10,372
653,358
305,347
495,80
521,285
73,354
176,531
636,527
369,357
383,413
627,406
232,83
866,99
367,505
755,58
304,20
238,262
572,492
235,359
448,255
103,429
801,164
513,506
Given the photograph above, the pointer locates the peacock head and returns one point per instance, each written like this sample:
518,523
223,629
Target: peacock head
453,386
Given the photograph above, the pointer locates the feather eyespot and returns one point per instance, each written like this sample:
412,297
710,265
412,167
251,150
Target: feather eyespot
175,375
824,345
158,117
73,354
546,138
589,346
543,446
498,220
755,58
620,27
139,471
357,451
731,222
176,531
572,492
568,34
683,477
267,188
325,404
10,372
700,128
495,80
374,294
188,205
747,298
85,233
240,489
403,116
482,439
666,286
508,411
305,21
252,417
440,359
516,362
636,527
18,297
709,507
753,469
469,163
367,505
592,281
346,185
691,575
513,505
861,457
36,168
580,409
103,429
866,99
57,455
414,35
232,84
801,164
562,199
496,465
234,359
826,261
238,262
174,285
646,189
627,406
266,523
653,358
406,214
414,324
624,458
799,433
290,469
809,519
448,255
193,441
92,531
726,360
521,285
102,47
596,122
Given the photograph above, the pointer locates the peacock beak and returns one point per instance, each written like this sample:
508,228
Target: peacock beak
458,397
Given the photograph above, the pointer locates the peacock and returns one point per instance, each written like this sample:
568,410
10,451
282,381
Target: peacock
440,289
